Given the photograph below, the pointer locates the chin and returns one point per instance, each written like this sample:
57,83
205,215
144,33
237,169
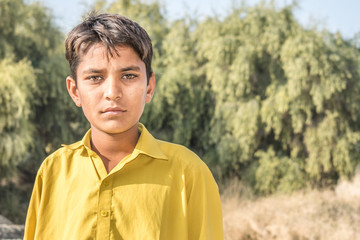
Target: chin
117,129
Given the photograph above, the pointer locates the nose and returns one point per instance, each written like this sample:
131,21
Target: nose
112,89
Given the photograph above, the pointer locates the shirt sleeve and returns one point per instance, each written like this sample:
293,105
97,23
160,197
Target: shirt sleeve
204,206
32,213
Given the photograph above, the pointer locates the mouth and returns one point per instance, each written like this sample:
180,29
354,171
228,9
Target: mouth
113,111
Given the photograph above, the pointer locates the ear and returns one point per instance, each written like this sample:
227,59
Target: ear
150,89
73,90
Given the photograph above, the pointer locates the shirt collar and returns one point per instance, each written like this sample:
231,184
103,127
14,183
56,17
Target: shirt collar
146,144
85,142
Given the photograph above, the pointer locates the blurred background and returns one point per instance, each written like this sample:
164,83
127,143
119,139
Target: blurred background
267,93
330,14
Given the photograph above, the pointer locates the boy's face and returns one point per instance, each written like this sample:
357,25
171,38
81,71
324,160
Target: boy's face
112,91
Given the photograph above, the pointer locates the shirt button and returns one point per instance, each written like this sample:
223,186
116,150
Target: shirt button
106,183
104,213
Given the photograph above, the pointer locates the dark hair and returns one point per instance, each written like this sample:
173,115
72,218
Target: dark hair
111,30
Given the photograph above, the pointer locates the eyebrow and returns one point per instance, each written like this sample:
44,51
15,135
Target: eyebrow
131,68
125,69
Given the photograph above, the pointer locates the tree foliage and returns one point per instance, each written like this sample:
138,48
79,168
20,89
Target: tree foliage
254,93
16,79
285,89
35,112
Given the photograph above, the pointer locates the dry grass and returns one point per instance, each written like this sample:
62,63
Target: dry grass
327,214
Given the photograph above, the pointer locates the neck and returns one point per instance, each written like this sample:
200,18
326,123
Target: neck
112,148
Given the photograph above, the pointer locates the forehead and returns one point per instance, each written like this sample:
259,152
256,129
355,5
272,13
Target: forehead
99,54
103,51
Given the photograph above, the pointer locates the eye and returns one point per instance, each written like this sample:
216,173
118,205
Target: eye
129,76
94,78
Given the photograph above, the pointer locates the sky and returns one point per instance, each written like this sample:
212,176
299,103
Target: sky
334,15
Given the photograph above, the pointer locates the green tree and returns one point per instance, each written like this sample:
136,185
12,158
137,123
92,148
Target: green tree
283,89
17,82
32,53
254,93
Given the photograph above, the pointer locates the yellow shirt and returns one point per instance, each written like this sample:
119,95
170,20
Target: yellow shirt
160,191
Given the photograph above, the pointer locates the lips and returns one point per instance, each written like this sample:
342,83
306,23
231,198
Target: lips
114,110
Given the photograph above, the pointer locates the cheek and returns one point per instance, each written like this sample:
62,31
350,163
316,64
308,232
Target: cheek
85,107
137,101
88,103
137,94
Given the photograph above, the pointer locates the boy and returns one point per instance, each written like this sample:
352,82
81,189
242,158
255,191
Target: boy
119,182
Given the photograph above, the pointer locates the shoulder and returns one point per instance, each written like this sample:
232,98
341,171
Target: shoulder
181,155
194,172
60,158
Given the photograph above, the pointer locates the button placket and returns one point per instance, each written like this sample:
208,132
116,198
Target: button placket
104,213
106,183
